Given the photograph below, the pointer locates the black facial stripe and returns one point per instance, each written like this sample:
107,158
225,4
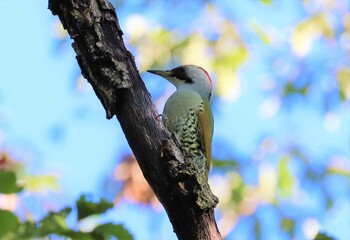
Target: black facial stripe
180,73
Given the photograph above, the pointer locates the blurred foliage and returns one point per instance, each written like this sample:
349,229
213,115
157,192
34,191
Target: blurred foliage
285,178
109,229
306,64
9,222
9,169
87,208
306,32
223,47
265,38
158,47
323,236
40,182
53,224
266,1
133,187
8,182
296,70
343,76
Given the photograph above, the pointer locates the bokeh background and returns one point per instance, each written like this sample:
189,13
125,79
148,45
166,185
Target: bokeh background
281,70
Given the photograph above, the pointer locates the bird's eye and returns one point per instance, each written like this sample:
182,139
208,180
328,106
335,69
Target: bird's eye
178,71
180,74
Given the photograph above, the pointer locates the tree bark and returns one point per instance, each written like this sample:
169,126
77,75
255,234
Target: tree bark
111,70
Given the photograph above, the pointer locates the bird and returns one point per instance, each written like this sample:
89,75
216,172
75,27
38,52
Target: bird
188,115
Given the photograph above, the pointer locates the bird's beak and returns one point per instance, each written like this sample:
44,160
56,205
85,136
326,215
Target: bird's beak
161,73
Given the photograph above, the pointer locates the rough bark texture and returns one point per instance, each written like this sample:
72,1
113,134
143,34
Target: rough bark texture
111,70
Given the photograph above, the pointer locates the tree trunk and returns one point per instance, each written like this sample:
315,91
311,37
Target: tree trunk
111,70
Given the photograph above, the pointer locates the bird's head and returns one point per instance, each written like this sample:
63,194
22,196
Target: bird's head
188,76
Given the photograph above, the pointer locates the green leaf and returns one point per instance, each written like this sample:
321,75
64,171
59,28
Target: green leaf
80,235
26,230
343,77
42,182
86,208
257,228
8,222
265,38
288,224
285,178
54,223
8,182
323,236
266,1
238,189
229,164
290,89
116,230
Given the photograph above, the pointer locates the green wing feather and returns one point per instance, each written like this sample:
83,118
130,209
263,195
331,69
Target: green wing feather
206,129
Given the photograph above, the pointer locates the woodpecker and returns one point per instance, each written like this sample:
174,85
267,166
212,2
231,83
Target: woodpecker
187,113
